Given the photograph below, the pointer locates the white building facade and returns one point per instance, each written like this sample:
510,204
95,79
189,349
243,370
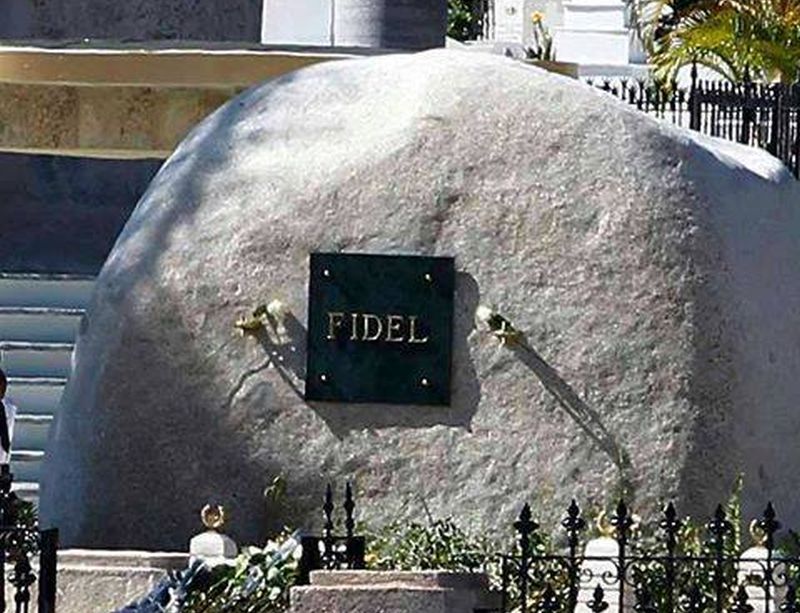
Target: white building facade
596,34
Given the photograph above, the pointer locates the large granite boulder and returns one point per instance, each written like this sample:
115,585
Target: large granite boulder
652,274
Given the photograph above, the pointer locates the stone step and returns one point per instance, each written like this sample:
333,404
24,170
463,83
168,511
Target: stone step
41,290
31,430
39,324
36,395
27,490
19,359
26,464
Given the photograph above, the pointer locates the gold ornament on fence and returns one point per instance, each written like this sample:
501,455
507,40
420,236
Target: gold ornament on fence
213,516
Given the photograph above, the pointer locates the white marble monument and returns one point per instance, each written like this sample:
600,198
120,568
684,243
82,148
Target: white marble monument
409,25
593,33
297,22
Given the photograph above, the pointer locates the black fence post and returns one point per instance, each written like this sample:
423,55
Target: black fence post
769,525
772,146
793,113
328,554
329,551
504,584
574,524
48,570
694,101
719,527
309,559
671,526
525,527
622,522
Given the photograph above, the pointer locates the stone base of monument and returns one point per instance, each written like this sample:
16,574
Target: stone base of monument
393,592
94,581
99,581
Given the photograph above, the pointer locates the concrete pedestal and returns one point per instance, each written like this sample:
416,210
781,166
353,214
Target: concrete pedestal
393,592
98,581
103,581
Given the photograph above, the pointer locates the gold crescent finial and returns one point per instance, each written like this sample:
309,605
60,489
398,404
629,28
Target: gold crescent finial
604,527
213,516
757,534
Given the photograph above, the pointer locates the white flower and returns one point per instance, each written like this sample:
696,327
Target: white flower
277,309
484,314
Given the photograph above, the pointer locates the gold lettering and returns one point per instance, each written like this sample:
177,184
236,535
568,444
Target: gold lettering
354,327
412,332
334,323
394,323
369,318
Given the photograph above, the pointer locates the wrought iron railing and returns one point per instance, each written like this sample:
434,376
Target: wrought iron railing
713,579
19,542
681,568
330,551
764,115
483,19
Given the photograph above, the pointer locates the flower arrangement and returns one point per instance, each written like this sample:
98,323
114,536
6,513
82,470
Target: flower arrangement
542,48
258,580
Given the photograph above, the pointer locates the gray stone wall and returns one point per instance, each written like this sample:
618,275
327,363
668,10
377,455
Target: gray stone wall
62,215
390,24
134,20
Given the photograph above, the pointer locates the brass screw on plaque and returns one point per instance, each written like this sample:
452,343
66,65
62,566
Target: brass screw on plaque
425,382
326,273
428,277
323,378
213,516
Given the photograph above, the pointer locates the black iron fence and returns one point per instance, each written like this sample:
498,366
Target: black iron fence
764,115
712,578
330,551
20,541
679,568
482,22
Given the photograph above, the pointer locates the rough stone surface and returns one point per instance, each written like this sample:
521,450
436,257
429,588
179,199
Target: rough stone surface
101,121
237,20
103,581
62,215
386,599
394,592
653,276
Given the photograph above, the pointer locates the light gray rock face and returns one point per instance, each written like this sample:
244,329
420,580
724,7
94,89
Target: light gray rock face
653,276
